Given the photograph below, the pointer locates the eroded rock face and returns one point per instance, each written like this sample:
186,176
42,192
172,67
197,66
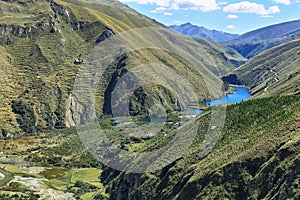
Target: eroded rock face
105,34
59,9
69,121
232,79
17,31
8,33
78,113
22,2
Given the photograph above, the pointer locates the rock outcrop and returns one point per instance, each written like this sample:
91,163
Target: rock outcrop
107,33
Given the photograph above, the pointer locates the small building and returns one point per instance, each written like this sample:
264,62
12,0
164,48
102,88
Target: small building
78,62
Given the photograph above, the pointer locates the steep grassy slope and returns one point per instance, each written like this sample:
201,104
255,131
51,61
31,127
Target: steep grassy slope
273,72
42,47
256,157
254,42
43,44
40,40
229,54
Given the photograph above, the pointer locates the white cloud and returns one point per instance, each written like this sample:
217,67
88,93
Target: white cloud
156,2
168,13
203,5
231,16
159,10
231,26
285,2
177,22
223,3
251,7
267,16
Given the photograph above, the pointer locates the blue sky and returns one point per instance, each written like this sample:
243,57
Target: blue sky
234,16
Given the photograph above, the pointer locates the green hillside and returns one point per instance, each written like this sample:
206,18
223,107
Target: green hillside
41,41
230,55
60,64
256,157
273,72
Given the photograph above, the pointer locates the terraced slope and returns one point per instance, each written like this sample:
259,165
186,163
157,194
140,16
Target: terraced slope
273,72
43,44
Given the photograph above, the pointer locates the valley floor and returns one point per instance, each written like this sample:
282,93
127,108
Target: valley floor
257,156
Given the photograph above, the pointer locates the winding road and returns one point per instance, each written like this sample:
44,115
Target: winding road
276,78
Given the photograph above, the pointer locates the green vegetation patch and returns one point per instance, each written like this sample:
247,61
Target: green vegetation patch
256,151
86,175
56,172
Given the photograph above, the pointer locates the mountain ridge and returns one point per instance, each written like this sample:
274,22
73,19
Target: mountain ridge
272,72
257,41
250,43
269,32
45,44
247,162
189,29
47,51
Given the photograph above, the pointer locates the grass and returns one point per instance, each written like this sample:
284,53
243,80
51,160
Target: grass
88,196
7,177
259,135
57,184
253,129
54,173
38,66
91,176
61,178
38,69
58,179
273,72
16,187
86,175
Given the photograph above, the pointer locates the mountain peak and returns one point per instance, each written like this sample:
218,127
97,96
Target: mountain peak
188,23
189,29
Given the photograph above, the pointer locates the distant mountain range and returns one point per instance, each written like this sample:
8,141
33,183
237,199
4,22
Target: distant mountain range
53,76
249,44
252,43
189,29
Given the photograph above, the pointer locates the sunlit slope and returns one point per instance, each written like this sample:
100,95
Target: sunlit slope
43,44
274,72
256,157
230,55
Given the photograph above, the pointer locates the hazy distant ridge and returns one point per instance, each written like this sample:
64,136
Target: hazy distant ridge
189,29
252,43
